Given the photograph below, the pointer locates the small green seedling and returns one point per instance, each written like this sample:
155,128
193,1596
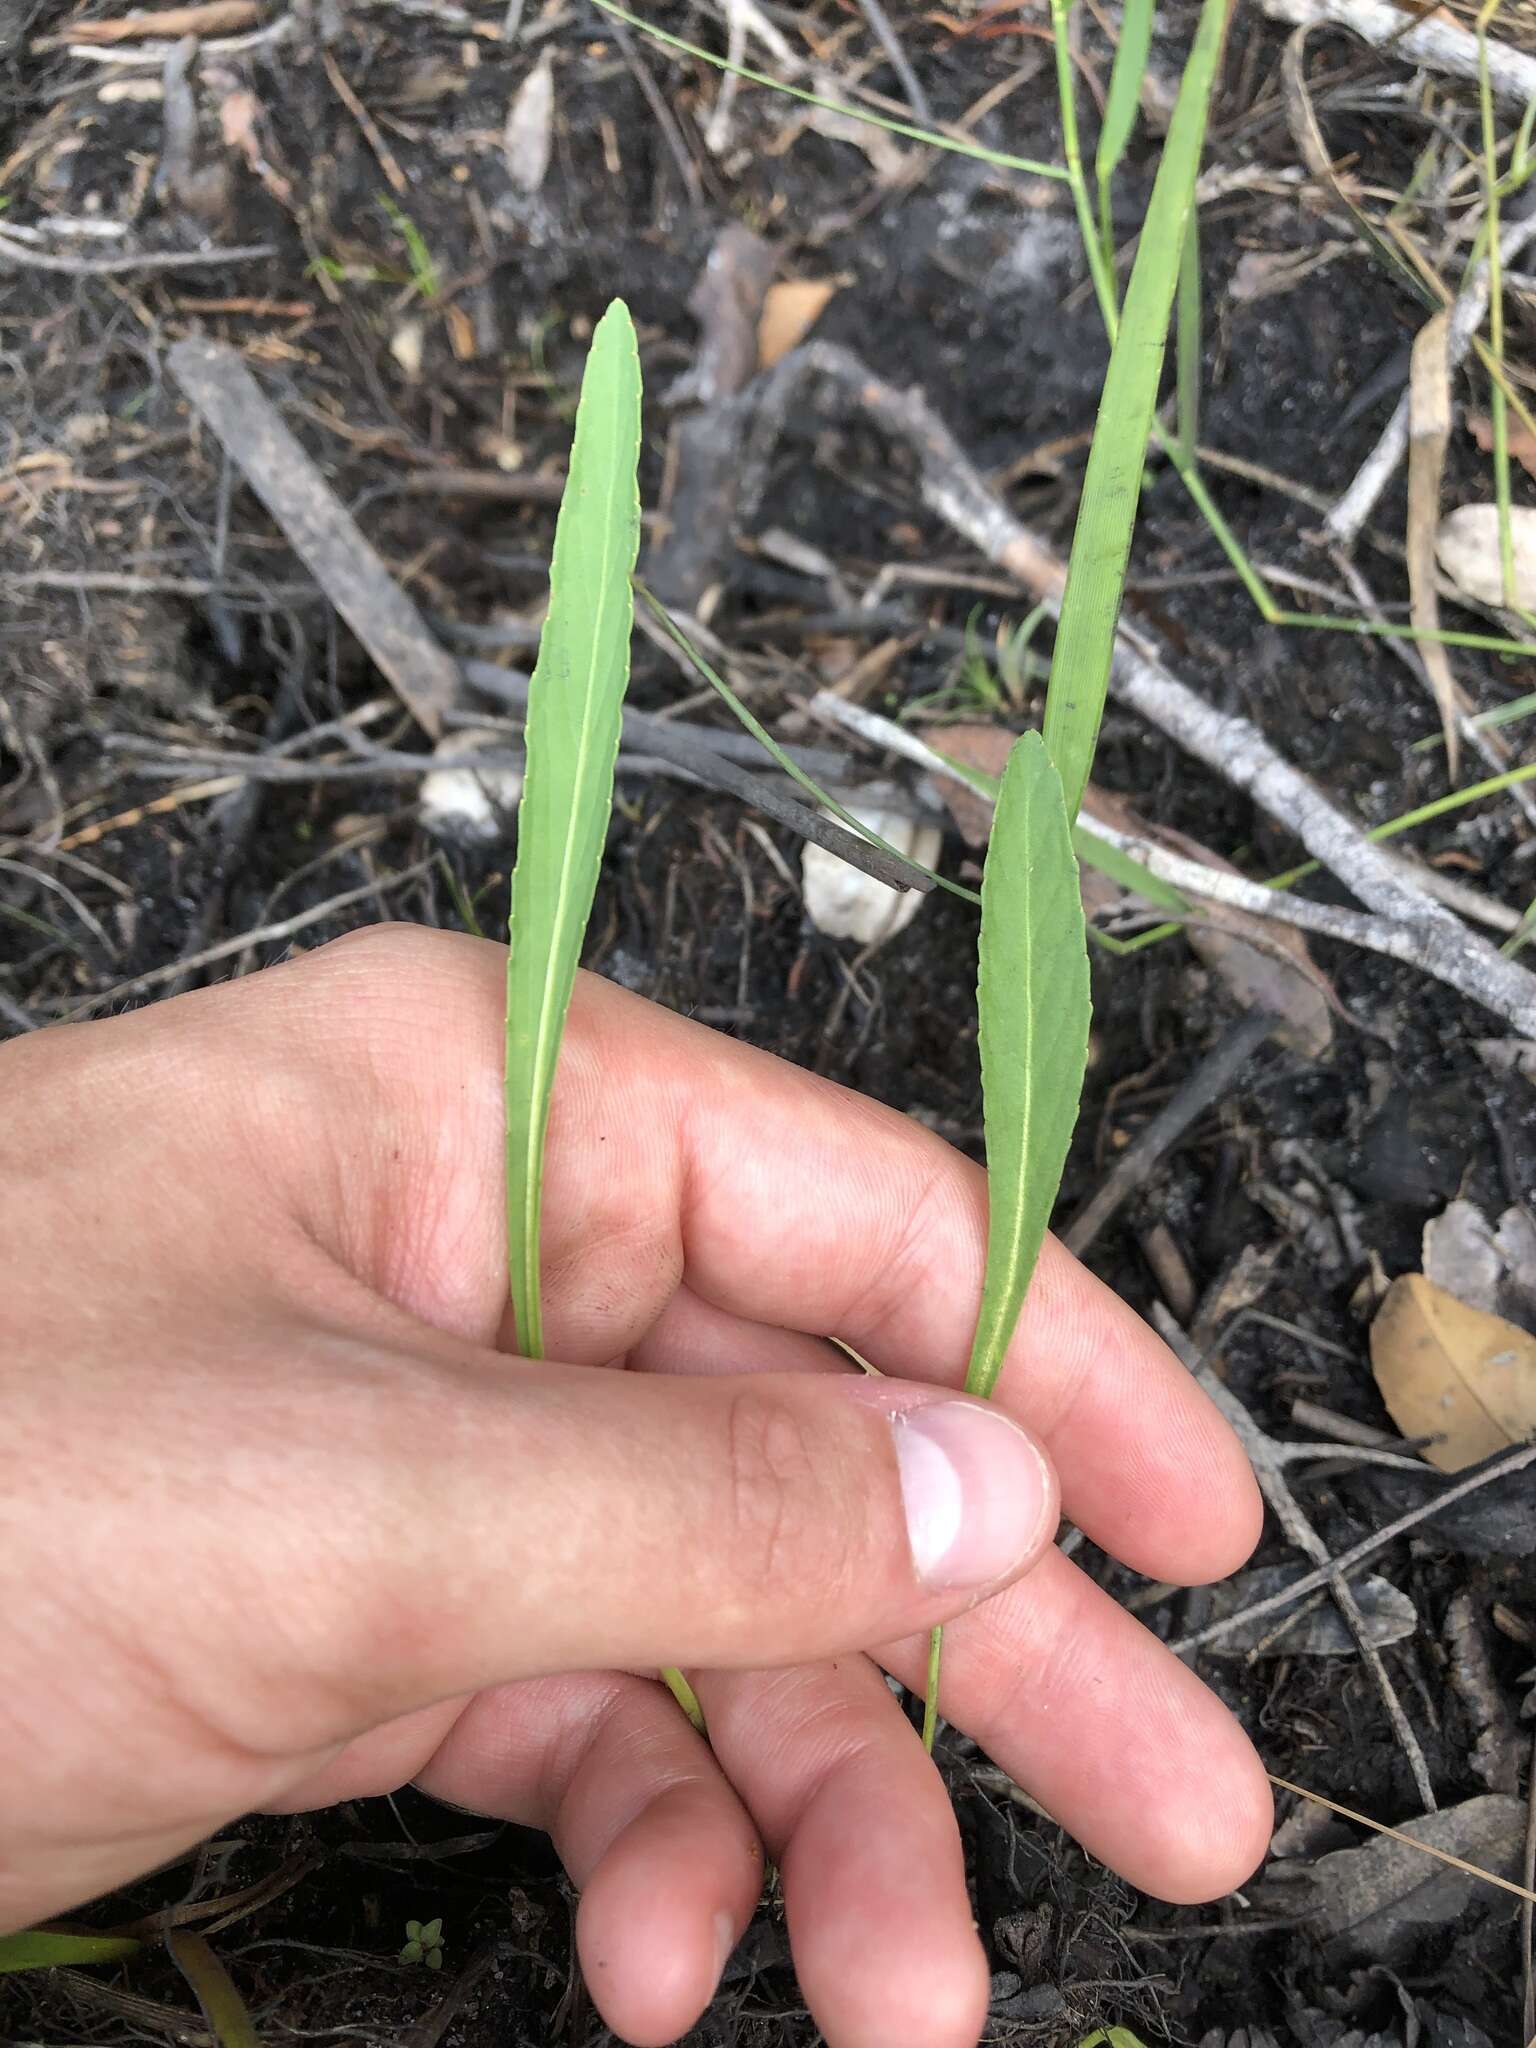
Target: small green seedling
575,712
423,268
423,1943
1034,1008
1033,1000
575,705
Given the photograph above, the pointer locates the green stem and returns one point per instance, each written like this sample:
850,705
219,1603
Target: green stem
931,1693
1100,266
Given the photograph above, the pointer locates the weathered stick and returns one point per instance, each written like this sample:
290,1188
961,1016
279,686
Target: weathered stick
1232,747
1434,40
322,533
1404,938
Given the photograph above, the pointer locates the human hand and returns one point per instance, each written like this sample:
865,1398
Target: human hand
287,1527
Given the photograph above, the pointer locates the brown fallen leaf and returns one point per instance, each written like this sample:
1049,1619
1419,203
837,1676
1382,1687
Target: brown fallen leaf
790,311
1266,966
1522,442
1377,1901
1456,1374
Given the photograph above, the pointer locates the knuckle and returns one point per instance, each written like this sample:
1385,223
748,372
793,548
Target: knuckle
383,949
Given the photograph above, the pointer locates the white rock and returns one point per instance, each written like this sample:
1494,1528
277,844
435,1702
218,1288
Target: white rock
528,136
465,803
406,345
843,901
1468,547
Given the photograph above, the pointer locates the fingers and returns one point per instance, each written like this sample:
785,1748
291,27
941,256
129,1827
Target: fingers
851,1221
865,1838
1113,1735
483,1519
783,1200
669,1865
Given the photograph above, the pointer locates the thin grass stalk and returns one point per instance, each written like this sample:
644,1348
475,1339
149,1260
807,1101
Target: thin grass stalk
1101,544
1498,409
1120,110
959,145
1187,341
1100,267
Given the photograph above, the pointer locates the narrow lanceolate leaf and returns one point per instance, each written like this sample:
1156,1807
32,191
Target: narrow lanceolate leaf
1101,545
574,707
1034,1007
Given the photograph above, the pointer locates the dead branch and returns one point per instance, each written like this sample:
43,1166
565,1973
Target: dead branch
1434,40
1513,1461
1432,937
1404,939
25,257
322,533
1270,1473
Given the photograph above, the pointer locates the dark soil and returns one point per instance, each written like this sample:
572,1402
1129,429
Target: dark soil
969,284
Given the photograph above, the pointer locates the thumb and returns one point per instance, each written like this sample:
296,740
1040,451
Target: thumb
578,1518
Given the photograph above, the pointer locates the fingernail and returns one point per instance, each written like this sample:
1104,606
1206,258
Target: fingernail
975,1490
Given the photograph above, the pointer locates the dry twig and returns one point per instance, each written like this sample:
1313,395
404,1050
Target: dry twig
1434,40
25,257
1344,522
1347,1561
1396,939
1270,1473
1427,934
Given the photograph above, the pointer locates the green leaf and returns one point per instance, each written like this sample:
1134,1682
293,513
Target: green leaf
1106,517
44,1951
1123,102
432,1934
575,702
1034,1007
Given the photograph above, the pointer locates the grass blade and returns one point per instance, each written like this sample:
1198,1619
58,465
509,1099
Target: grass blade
574,706
957,145
1106,516
1121,106
1034,1007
